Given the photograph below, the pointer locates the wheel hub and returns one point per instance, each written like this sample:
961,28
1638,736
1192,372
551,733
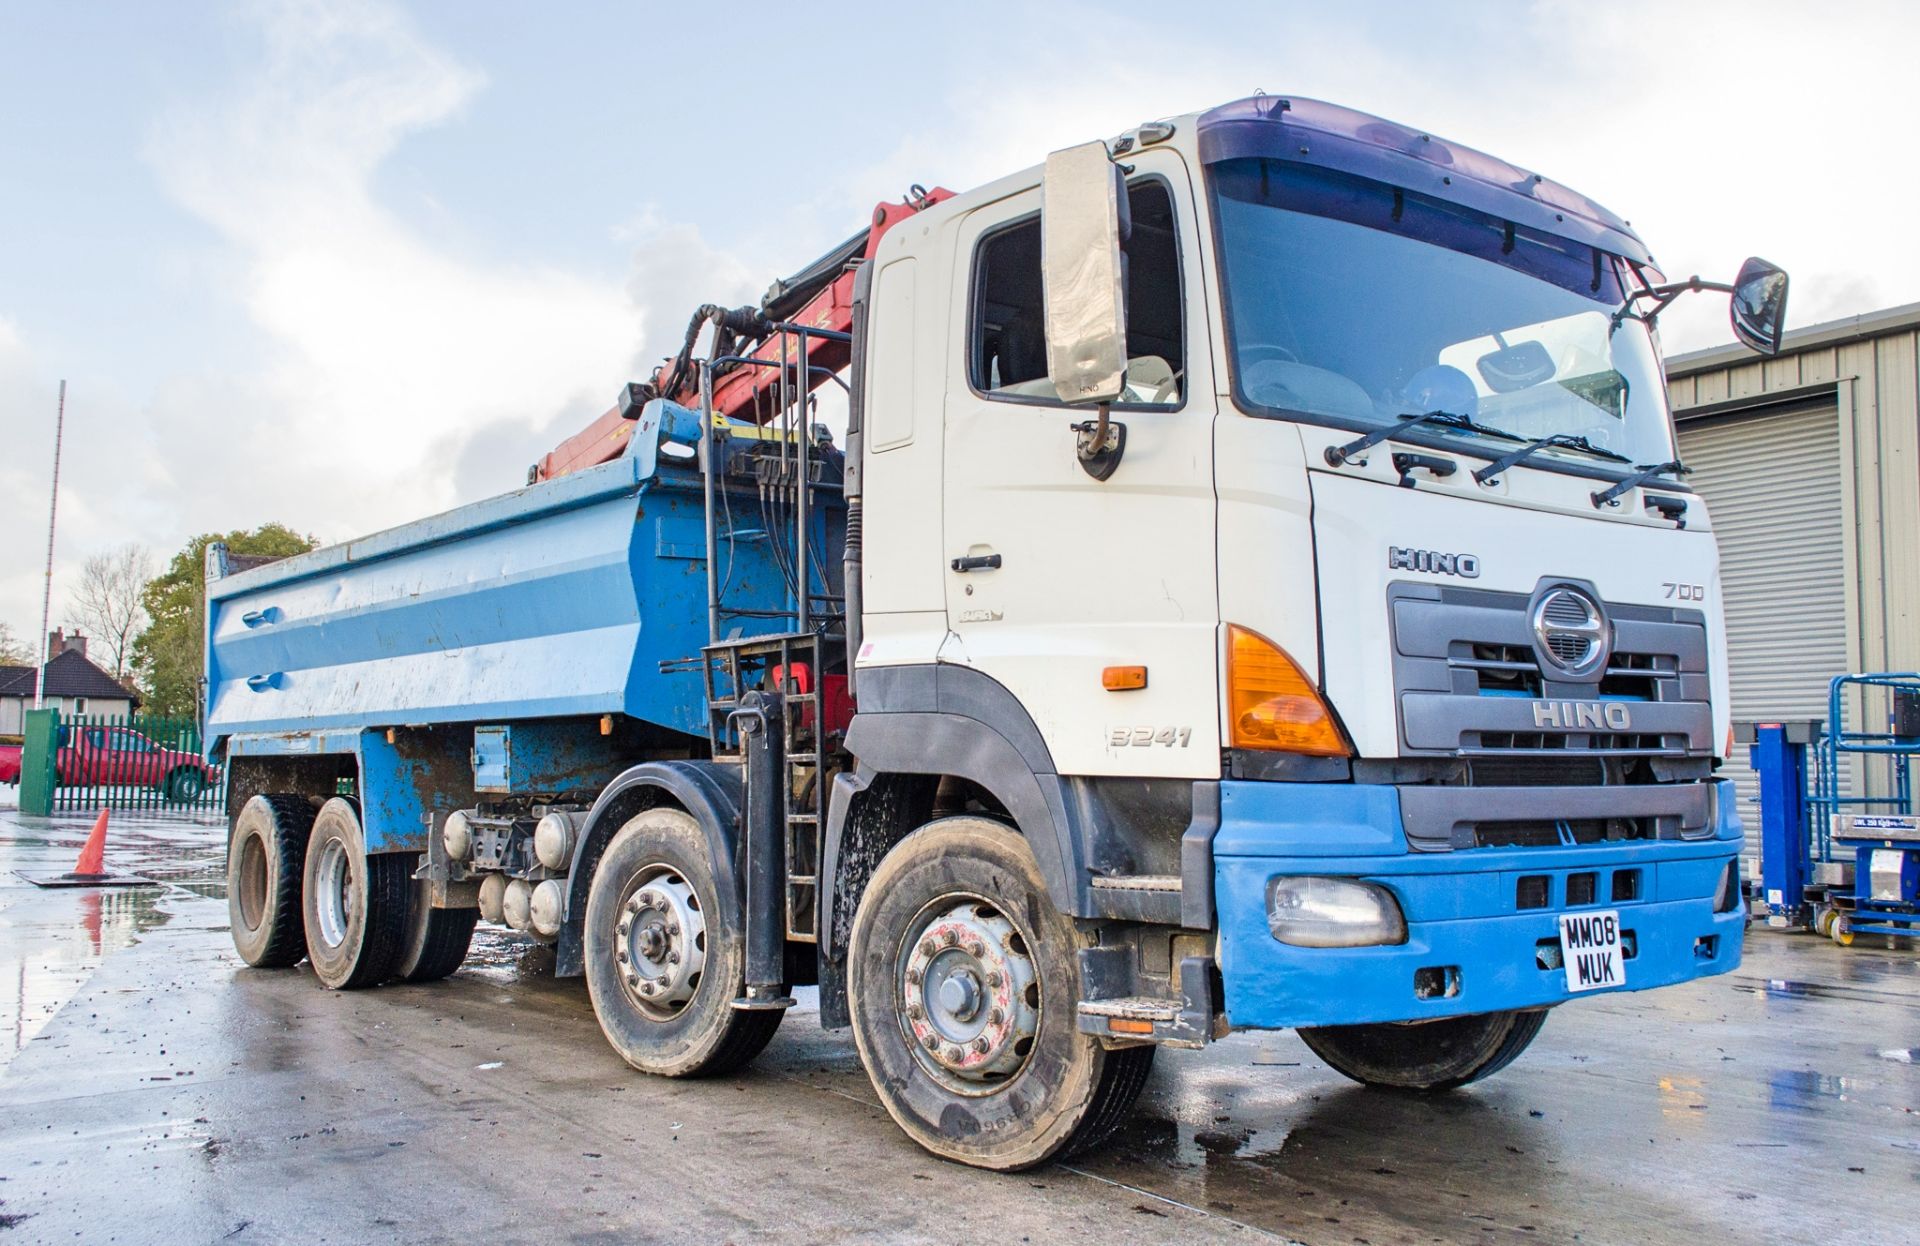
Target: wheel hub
968,994
334,899
662,944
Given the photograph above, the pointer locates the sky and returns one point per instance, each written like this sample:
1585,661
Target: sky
339,265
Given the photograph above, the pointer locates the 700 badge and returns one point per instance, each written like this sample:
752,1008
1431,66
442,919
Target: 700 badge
1148,737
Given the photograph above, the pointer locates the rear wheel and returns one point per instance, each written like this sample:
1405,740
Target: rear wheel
662,965
1430,1056
436,940
355,903
266,856
184,786
964,989
1841,929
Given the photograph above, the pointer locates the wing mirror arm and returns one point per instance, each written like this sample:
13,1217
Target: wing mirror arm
1757,306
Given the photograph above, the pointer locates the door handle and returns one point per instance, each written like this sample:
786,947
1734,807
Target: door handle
977,562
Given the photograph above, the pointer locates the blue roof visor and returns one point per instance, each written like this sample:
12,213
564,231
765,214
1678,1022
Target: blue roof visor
1327,136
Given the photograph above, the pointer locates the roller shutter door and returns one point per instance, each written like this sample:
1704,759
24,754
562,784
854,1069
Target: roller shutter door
1772,484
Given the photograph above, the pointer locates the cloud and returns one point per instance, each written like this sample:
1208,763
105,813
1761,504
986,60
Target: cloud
384,350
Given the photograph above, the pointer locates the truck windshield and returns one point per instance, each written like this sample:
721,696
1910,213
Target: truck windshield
1356,304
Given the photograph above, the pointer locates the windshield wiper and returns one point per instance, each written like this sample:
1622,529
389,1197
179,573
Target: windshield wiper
1645,473
1338,455
1552,441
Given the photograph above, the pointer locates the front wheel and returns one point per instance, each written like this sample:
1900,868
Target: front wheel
663,965
1427,1056
964,986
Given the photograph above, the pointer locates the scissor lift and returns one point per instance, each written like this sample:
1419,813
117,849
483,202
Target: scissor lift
1834,858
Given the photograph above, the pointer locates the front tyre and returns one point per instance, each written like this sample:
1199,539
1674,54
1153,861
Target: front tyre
355,902
1430,1056
663,966
964,988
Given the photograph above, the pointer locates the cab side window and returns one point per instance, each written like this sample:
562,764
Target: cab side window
1008,340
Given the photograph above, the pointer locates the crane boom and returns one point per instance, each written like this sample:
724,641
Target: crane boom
818,297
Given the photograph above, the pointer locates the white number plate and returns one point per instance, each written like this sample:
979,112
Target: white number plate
1590,950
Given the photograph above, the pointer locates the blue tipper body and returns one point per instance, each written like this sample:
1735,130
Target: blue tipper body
555,602
559,599
1460,906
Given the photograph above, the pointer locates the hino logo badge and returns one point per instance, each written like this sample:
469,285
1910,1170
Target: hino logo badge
1433,562
1582,716
1571,632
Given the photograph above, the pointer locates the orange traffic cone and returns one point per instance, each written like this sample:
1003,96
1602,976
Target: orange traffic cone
91,869
93,856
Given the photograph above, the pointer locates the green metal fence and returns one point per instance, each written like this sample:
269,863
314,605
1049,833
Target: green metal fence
136,762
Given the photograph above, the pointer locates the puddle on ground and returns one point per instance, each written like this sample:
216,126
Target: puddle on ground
52,940
1804,1090
501,955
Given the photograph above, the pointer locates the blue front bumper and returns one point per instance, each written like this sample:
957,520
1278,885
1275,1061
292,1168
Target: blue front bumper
1463,922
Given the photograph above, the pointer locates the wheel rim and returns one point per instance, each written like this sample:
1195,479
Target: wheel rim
967,994
333,892
253,881
661,942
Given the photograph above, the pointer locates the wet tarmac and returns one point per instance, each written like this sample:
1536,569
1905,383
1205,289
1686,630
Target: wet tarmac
153,1089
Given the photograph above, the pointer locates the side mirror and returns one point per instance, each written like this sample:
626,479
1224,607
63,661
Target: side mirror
1082,201
1759,305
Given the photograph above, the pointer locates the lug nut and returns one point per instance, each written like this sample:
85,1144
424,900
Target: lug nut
981,1044
956,1054
949,938
673,958
993,978
633,981
915,1012
933,1042
996,1017
929,947
673,927
976,949
622,958
913,976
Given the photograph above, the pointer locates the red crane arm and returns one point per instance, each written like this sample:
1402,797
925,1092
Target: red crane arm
747,391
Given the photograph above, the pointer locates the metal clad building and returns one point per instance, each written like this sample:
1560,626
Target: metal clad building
1810,464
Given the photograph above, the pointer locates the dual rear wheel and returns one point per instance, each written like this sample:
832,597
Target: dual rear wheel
301,884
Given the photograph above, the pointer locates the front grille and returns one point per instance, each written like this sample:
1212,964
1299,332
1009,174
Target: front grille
1562,832
1572,650
1470,680
1536,771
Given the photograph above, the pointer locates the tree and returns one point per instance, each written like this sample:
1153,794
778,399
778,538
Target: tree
13,650
167,654
108,602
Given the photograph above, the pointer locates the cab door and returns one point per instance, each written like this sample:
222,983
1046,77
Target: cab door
1054,577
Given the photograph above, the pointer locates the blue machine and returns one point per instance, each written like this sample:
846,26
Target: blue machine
1839,832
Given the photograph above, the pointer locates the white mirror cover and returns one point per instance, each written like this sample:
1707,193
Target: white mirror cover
1080,266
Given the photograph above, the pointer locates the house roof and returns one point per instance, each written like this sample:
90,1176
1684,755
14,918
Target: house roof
69,674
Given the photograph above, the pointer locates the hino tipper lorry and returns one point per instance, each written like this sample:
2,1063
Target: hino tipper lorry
1256,590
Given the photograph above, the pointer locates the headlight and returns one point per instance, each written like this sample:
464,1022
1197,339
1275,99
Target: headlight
1333,912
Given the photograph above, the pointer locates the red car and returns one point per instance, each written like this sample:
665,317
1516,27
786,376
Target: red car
121,757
